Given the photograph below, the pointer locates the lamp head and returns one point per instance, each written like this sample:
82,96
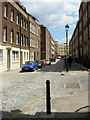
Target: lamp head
67,27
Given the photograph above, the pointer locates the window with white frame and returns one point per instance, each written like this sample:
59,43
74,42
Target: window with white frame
12,15
1,55
5,34
30,27
37,31
37,45
5,10
15,56
24,40
17,19
22,22
27,26
12,36
17,38
21,40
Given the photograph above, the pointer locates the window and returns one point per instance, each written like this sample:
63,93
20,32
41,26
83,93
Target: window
27,41
22,22
1,53
15,56
21,40
12,15
30,27
17,19
37,32
5,10
17,38
5,34
24,41
27,26
12,36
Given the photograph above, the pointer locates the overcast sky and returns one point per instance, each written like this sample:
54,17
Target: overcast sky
55,14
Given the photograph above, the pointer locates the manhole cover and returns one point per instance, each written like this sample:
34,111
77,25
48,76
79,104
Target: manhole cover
72,85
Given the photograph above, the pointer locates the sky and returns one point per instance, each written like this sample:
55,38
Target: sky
55,14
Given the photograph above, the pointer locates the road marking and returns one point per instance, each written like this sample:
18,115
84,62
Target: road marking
26,112
21,109
29,103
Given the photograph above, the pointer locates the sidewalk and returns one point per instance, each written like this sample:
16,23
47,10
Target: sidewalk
63,107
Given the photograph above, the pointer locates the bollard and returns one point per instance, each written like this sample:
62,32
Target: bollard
66,69
48,106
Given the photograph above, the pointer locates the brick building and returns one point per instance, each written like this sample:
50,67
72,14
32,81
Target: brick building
47,43
35,53
80,41
15,36
61,49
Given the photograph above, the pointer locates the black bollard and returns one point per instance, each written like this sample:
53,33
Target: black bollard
67,69
48,106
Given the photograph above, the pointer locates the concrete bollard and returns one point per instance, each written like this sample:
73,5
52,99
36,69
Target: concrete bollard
48,105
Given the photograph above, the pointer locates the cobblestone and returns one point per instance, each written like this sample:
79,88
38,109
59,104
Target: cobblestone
20,88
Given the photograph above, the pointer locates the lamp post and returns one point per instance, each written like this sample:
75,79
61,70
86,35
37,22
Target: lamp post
67,28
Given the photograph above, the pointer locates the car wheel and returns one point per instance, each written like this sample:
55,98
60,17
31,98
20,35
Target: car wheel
22,70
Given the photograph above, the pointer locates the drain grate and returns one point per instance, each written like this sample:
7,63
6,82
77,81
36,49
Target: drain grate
72,85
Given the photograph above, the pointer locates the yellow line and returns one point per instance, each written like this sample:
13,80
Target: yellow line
29,103
26,112
21,109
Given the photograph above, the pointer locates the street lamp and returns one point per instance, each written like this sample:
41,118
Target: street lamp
66,28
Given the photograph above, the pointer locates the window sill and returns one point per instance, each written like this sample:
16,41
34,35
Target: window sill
12,21
17,44
4,41
17,24
15,61
5,17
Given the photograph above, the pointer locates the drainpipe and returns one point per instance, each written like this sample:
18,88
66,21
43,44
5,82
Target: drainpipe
29,40
20,42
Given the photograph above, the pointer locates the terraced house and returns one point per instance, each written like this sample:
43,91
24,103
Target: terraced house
80,41
35,53
15,35
47,43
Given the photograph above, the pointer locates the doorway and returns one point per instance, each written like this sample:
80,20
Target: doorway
8,59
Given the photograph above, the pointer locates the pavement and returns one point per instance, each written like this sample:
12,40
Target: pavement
66,106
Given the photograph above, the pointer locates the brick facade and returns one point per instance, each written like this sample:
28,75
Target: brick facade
80,41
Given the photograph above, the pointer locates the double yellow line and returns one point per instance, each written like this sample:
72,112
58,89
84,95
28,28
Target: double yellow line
36,101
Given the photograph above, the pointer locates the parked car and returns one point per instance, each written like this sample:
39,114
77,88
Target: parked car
48,62
44,61
53,59
30,65
59,57
40,63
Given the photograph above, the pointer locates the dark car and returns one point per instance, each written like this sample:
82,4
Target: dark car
30,65
40,63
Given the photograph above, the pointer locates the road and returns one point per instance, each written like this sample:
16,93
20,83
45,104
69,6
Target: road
25,92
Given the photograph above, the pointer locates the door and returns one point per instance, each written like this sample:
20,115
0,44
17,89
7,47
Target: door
8,59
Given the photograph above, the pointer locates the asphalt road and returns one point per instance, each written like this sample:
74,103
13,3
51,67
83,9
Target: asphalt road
25,92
